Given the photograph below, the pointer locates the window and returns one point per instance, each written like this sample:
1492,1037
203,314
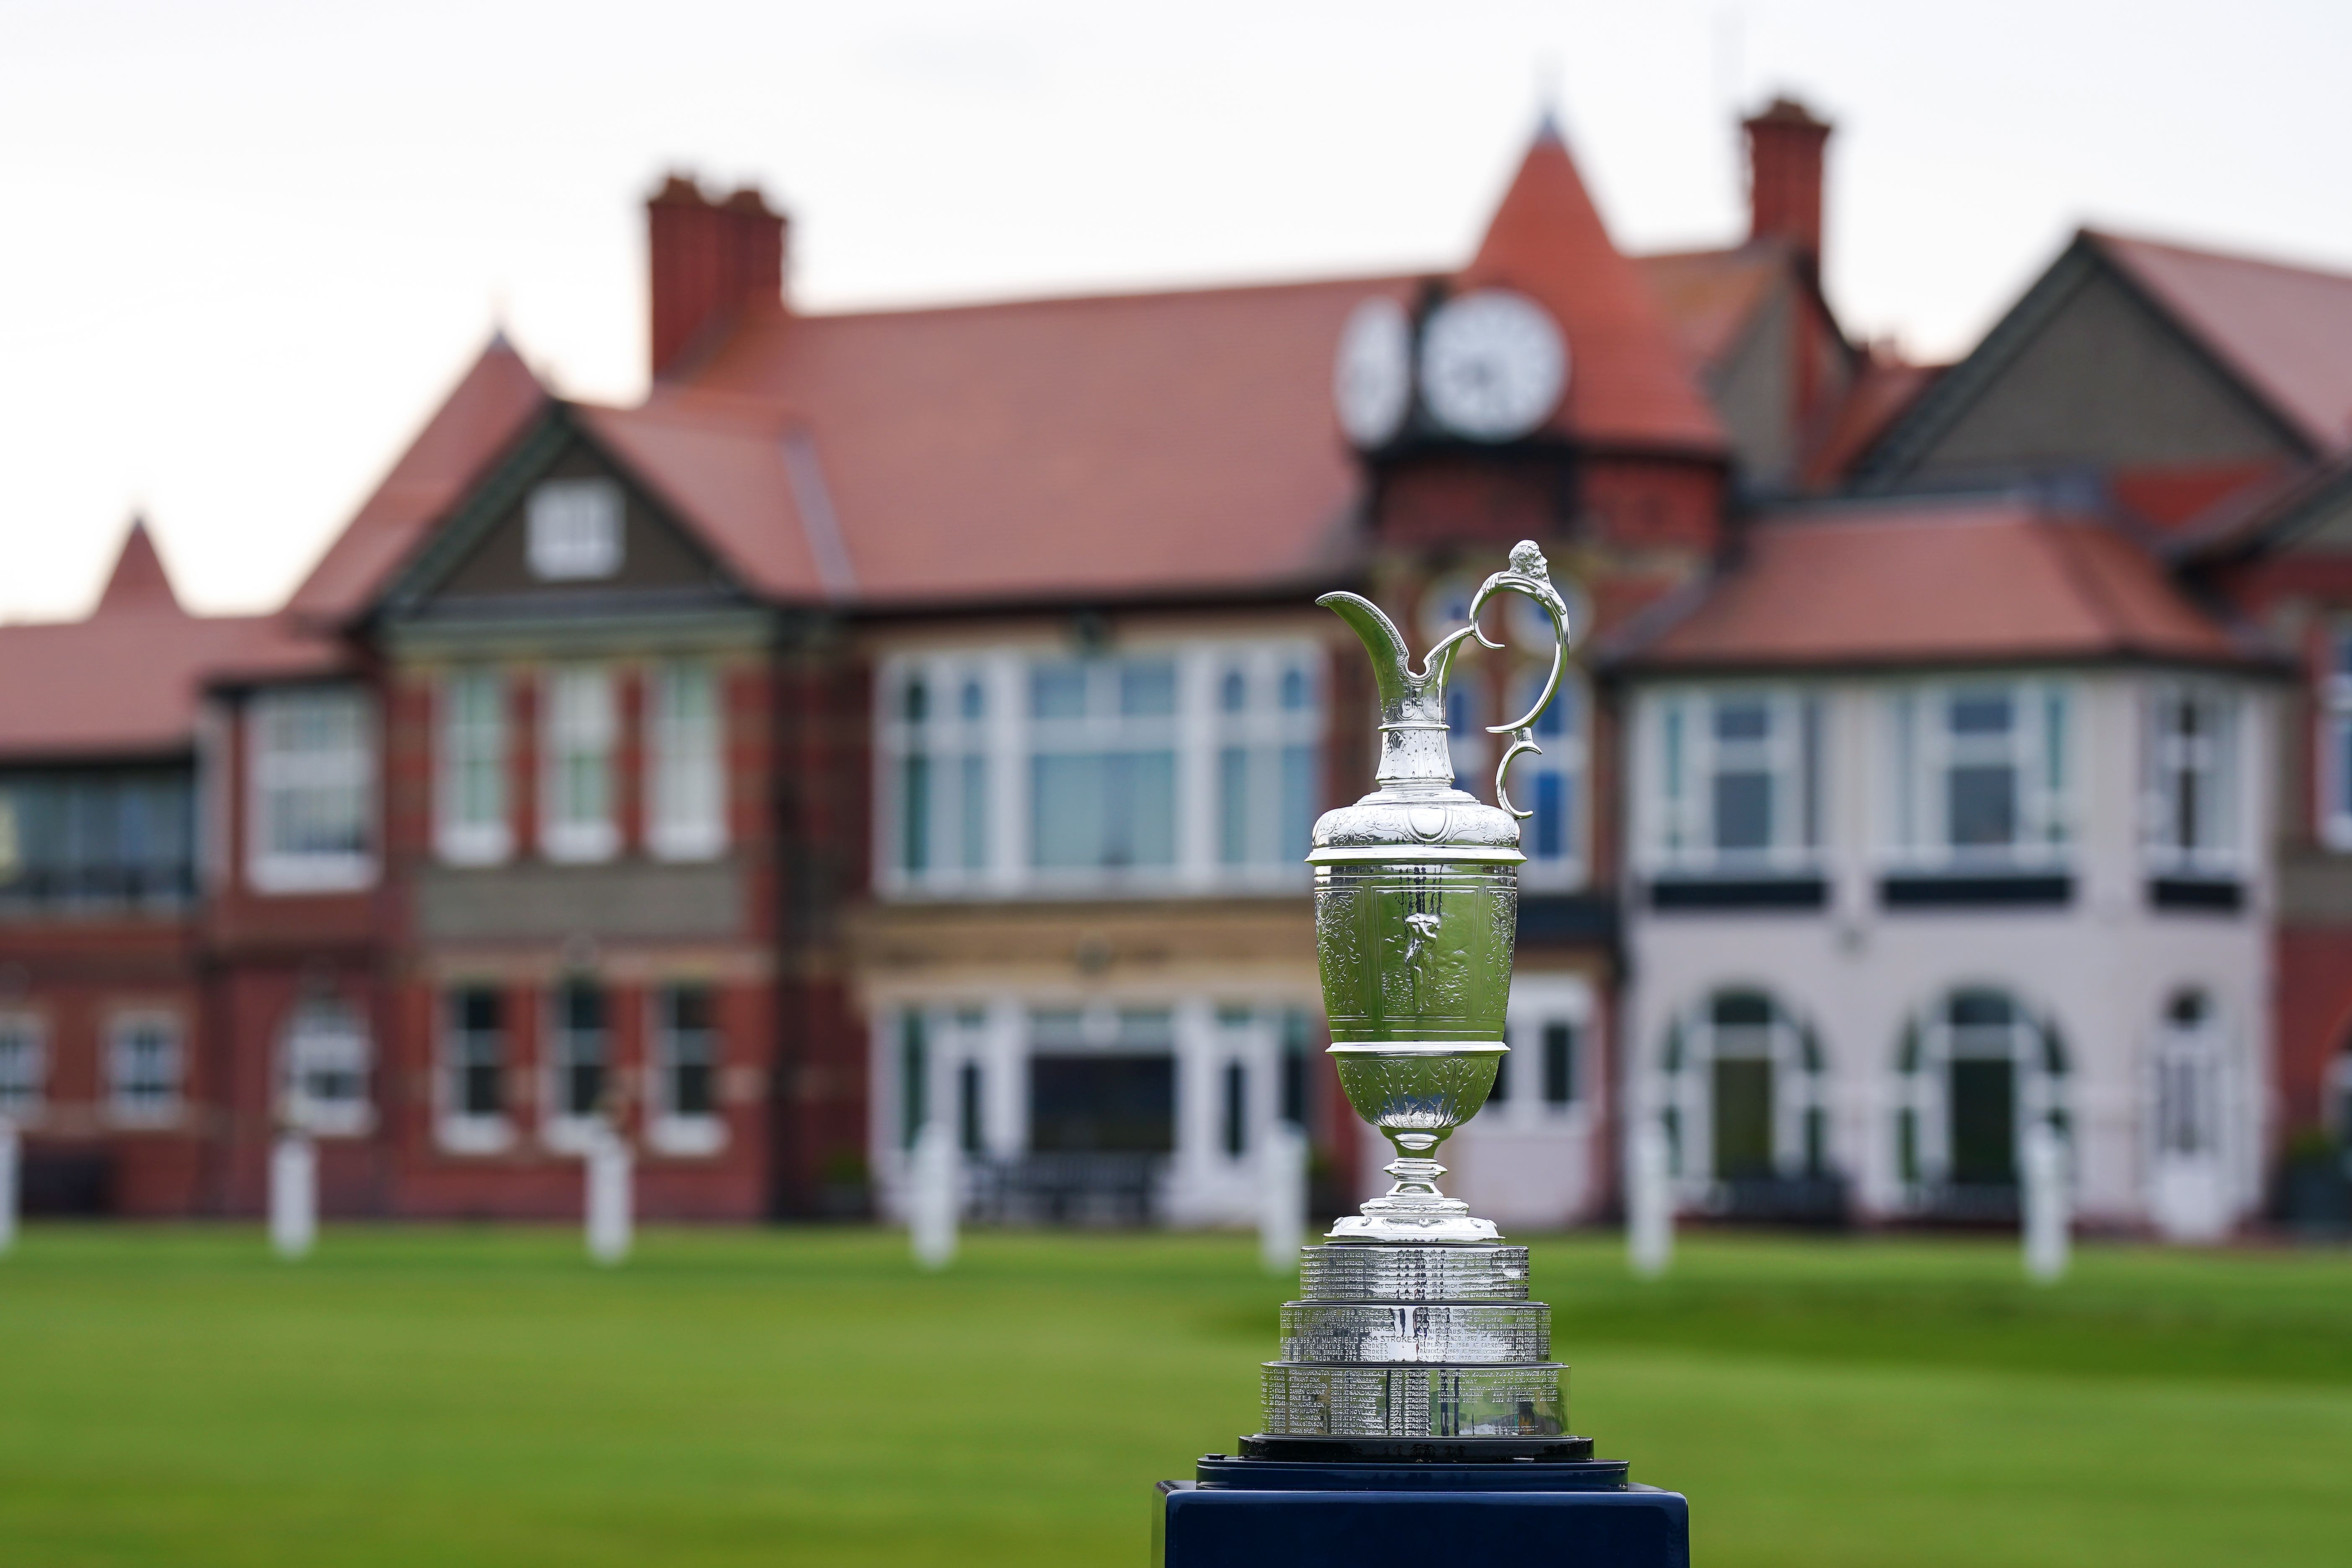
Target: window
686,763
474,1118
1236,1110
83,838
686,1119
579,1060
2336,740
1559,1063
576,788
937,728
471,824
1194,767
914,1077
1466,739
24,1066
313,791
1982,775
325,1062
143,1068
1295,1050
1551,785
574,527
1103,765
970,1112
2190,823
1738,782
1266,774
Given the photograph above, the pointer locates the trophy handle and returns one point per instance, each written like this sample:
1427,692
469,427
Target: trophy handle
1530,574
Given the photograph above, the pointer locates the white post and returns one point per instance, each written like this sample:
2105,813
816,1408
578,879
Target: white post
1649,1202
1282,1198
293,1195
931,1196
2048,1222
11,1154
610,1174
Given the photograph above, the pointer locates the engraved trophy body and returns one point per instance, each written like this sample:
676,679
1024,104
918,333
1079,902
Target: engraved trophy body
1416,1340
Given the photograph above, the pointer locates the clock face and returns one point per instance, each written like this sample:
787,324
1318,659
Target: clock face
1493,365
1372,380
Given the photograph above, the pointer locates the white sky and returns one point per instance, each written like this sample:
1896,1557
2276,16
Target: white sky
248,244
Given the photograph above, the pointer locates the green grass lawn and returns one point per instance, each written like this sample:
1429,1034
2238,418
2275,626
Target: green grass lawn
461,1396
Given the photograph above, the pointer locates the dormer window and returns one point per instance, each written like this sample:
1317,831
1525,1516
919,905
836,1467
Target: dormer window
575,530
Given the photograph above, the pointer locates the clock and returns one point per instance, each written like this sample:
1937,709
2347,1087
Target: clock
1371,381
1493,365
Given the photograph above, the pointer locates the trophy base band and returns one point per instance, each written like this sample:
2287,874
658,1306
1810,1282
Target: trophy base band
1279,1515
1546,1451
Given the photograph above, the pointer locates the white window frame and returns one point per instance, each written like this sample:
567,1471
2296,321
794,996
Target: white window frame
594,726
1001,744
685,763
458,1130
667,1130
1682,755
1267,738
270,772
330,1034
1800,1090
2335,727
121,1030
24,1066
575,530
465,742
1539,1002
1924,750
1567,757
2217,841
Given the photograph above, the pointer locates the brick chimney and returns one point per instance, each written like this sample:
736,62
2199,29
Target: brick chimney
1784,175
708,259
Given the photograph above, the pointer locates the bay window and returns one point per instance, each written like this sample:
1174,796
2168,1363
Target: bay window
1738,782
1102,767
2189,826
312,794
686,765
1982,775
470,819
937,733
1267,774
580,728
1195,766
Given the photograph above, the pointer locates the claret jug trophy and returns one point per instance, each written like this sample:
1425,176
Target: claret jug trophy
1416,1381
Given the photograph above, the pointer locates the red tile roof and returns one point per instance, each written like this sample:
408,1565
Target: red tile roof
483,414
1138,444
1925,583
1708,297
125,681
1630,381
1884,387
2285,331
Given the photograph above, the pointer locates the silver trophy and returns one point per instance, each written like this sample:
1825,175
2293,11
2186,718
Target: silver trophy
1416,1338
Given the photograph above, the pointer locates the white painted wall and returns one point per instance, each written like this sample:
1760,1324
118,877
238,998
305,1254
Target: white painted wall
2102,966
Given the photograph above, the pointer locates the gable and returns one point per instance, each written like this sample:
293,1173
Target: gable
2083,371
1754,388
481,558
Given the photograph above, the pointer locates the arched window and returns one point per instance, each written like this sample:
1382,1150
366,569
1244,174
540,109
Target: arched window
1743,1095
1974,1071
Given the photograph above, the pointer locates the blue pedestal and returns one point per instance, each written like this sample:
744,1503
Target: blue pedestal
1255,1514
